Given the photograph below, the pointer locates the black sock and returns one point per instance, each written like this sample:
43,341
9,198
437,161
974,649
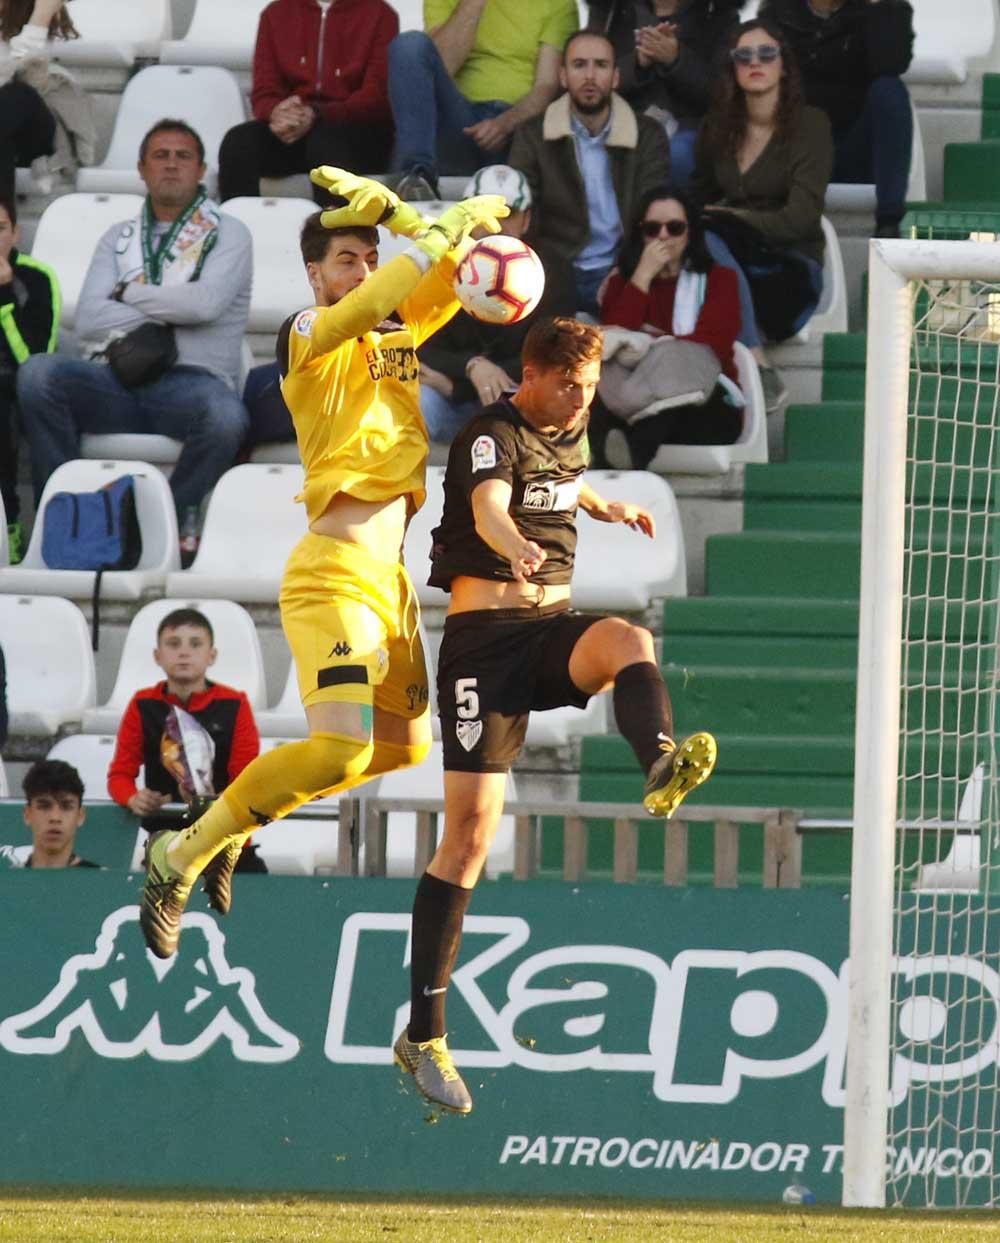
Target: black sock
642,711
438,911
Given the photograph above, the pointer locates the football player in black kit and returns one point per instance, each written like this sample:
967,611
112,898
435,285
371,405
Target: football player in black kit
512,645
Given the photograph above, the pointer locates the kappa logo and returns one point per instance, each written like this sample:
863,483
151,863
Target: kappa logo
469,733
126,1002
341,649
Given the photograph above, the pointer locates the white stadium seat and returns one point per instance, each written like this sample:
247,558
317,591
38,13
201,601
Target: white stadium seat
426,780
4,785
251,526
287,719
948,38
718,459
410,13
67,236
206,97
620,569
50,666
114,33
417,547
157,524
90,755
239,663
222,32
831,313
280,285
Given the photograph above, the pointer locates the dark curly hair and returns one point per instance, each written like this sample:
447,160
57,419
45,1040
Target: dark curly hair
14,16
696,257
726,121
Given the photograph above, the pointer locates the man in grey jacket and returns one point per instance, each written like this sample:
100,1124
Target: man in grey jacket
180,262
590,161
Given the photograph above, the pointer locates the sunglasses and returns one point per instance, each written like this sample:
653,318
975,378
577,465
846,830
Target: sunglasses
766,53
674,228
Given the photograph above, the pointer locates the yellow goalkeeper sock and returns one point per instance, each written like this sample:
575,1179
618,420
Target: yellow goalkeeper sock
269,788
388,756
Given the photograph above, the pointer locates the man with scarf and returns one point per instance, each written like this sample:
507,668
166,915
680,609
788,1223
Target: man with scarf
182,263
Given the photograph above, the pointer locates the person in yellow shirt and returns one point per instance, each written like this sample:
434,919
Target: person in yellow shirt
350,380
461,86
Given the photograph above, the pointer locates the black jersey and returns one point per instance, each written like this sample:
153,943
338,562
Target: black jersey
544,471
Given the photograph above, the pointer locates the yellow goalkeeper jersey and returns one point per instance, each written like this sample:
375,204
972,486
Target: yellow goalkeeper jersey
350,381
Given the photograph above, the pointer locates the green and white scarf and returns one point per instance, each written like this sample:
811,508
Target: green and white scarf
179,255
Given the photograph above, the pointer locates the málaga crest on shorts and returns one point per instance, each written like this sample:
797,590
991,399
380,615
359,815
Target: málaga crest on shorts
484,453
468,733
304,322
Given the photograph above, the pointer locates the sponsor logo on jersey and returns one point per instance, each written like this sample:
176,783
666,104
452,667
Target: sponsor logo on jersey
304,323
340,648
484,453
469,733
560,497
538,496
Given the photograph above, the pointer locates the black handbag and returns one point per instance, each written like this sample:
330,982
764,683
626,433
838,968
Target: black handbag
142,355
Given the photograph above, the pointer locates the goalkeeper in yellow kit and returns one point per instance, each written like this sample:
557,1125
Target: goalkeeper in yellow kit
350,380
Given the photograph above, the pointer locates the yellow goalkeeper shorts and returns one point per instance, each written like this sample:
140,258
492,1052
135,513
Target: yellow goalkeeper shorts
352,622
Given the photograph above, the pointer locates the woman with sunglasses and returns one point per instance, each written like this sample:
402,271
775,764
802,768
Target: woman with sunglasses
667,286
762,163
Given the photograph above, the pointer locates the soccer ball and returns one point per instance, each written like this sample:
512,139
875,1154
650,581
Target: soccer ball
500,280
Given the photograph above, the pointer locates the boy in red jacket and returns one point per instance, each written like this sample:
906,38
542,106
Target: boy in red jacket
319,94
184,651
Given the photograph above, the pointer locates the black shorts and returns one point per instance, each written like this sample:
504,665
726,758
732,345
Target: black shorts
495,667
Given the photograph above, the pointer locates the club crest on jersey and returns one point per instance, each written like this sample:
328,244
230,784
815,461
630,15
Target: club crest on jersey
469,733
484,453
304,323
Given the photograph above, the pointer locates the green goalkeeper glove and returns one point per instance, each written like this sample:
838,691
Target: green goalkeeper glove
455,224
369,203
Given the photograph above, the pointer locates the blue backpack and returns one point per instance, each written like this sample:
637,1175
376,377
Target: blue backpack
93,531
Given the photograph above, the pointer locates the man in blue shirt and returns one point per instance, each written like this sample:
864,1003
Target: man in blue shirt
590,161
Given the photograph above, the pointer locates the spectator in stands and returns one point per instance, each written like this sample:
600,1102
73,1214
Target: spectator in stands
459,90
467,363
29,324
54,812
319,94
185,652
590,149
762,164
27,127
180,262
667,286
665,51
852,54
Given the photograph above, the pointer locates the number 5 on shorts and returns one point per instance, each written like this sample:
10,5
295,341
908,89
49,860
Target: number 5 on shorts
467,698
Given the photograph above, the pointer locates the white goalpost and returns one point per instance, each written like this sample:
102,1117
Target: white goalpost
922,1114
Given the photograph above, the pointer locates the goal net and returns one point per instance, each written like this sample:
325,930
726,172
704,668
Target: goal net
923,1107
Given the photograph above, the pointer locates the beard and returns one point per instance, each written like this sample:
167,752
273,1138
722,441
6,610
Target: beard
590,108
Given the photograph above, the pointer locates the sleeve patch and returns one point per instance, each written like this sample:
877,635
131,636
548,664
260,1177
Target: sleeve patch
304,323
484,453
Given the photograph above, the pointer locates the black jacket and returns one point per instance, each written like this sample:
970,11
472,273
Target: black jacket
683,88
840,55
29,312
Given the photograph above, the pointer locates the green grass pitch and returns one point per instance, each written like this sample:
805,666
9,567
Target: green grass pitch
58,1217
